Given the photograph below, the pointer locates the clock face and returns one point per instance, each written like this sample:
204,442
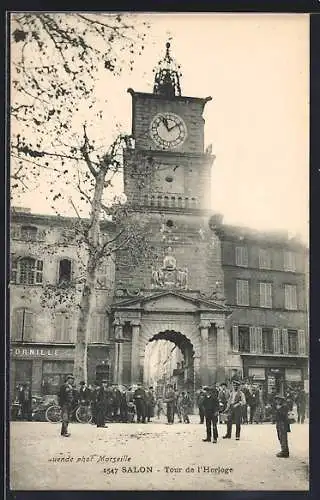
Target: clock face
168,130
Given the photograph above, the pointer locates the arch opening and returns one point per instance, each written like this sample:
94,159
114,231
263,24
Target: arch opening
169,359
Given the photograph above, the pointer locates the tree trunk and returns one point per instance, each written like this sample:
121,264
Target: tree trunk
81,348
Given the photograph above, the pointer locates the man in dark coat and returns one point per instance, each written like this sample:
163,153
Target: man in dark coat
211,411
301,401
101,404
150,404
234,410
200,397
116,402
170,400
140,402
25,400
66,398
282,425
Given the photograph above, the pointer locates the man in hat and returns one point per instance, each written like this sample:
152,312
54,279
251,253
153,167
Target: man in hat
234,410
200,397
282,424
171,402
66,402
101,404
150,404
211,411
140,402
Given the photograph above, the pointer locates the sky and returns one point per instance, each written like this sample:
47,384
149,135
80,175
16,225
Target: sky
256,68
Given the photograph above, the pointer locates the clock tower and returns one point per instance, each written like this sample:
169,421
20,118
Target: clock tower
168,153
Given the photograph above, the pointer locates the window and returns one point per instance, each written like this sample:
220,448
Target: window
289,261
26,271
53,375
264,259
292,341
99,332
29,233
265,294
290,297
22,328
242,256
63,327
242,292
267,340
64,271
244,339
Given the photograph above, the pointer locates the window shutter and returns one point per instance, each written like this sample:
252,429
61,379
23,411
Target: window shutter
259,339
28,325
253,339
16,327
285,342
39,270
276,341
302,342
235,338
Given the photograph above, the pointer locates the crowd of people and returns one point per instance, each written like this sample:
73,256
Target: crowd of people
234,402
257,407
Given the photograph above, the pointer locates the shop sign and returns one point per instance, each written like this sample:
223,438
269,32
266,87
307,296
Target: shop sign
293,375
257,373
41,352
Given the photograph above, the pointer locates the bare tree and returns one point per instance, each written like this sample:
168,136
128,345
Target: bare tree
54,60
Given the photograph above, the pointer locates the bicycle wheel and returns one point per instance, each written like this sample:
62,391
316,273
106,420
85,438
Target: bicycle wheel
84,415
53,414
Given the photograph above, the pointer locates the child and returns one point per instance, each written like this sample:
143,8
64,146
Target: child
282,425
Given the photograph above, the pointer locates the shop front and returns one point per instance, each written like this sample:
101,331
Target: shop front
44,367
275,374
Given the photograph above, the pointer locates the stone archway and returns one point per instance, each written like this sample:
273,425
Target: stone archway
185,375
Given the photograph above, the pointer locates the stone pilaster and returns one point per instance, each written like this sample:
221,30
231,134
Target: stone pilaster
135,361
118,352
221,352
204,367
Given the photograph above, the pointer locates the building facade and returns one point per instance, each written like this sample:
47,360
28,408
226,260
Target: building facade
45,287
232,300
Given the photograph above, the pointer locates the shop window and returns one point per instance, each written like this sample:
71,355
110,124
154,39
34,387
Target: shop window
22,374
241,256
267,340
244,339
26,271
264,259
265,290
103,372
63,327
242,292
53,375
22,327
99,331
290,297
293,341
64,271
29,233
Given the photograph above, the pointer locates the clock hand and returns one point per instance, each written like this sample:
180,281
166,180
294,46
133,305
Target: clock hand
165,122
174,126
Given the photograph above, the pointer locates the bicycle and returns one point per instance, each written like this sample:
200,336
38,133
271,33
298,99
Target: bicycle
82,414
